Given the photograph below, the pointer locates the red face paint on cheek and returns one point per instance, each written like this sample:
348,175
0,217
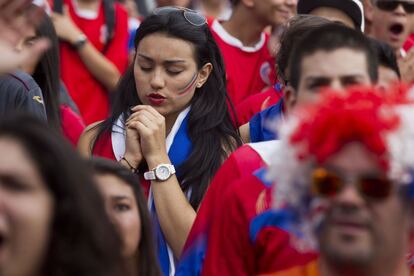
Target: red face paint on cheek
188,87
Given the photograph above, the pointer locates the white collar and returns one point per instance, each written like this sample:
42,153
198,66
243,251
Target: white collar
118,134
231,40
266,150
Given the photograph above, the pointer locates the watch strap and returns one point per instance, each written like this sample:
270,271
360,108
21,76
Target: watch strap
151,175
80,42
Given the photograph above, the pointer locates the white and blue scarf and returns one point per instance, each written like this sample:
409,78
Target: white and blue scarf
179,147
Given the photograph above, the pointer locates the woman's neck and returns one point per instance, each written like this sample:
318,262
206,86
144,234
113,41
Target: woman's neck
170,121
246,31
92,5
132,266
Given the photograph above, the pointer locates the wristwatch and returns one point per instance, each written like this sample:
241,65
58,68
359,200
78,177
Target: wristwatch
80,42
161,173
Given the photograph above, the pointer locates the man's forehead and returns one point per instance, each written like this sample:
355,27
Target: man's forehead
342,61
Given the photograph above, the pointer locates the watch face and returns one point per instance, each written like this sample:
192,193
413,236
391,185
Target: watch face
162,172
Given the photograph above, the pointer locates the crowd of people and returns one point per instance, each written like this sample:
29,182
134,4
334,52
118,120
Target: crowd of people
214,137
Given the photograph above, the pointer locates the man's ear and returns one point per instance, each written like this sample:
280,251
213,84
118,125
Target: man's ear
290,98
368,10
203,74
248,3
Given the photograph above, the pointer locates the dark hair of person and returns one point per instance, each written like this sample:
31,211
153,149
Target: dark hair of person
234,2
297,27
210,126
329,38
147,262
386,56
47,72
83,241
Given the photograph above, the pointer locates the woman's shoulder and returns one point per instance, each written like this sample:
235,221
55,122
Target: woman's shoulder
87,139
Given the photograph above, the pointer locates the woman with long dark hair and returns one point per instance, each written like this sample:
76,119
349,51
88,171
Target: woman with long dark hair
53,220
170,121
126,206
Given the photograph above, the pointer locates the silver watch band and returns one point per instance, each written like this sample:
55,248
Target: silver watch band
150,175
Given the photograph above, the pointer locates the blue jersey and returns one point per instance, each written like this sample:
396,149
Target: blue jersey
259,131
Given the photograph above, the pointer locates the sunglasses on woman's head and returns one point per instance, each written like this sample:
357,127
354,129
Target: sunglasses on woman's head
392,5
326,183
192,17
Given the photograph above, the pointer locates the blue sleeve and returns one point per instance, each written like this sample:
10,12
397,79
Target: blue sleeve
258,124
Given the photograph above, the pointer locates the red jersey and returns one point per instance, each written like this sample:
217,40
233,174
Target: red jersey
249,69
72,124
241,163
310,269
256,103
244,239
409,43
89,95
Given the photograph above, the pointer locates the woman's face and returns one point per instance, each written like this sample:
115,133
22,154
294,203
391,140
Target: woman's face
26,211
26,42
122,209
166,74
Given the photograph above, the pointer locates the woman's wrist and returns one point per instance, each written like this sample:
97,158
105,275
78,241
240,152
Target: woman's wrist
134,160
126,163
153,161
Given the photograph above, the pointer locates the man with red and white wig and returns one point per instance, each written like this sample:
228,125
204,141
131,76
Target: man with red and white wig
343,182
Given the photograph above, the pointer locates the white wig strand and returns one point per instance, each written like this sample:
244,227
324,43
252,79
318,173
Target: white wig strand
401,145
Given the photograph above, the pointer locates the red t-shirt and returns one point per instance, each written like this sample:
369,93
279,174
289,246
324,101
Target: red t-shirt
409,43
249,69
242,162
256,103
233,250
89,95
72,124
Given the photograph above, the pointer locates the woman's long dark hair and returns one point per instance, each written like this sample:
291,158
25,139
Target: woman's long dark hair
210,124
147,262
47,72
82,242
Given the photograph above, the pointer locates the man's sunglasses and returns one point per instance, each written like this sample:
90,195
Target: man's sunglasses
392,5
192,17
328,184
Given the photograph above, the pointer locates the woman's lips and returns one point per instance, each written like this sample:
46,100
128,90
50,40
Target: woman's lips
156,99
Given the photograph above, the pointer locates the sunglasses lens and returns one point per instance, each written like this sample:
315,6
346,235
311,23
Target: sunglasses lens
409,7
164,11
195,18
325,184
392,5
387,5
375,187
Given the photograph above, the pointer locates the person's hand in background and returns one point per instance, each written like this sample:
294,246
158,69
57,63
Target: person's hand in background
16,16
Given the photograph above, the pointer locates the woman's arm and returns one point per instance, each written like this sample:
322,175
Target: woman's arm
87,139
98,65
175,214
